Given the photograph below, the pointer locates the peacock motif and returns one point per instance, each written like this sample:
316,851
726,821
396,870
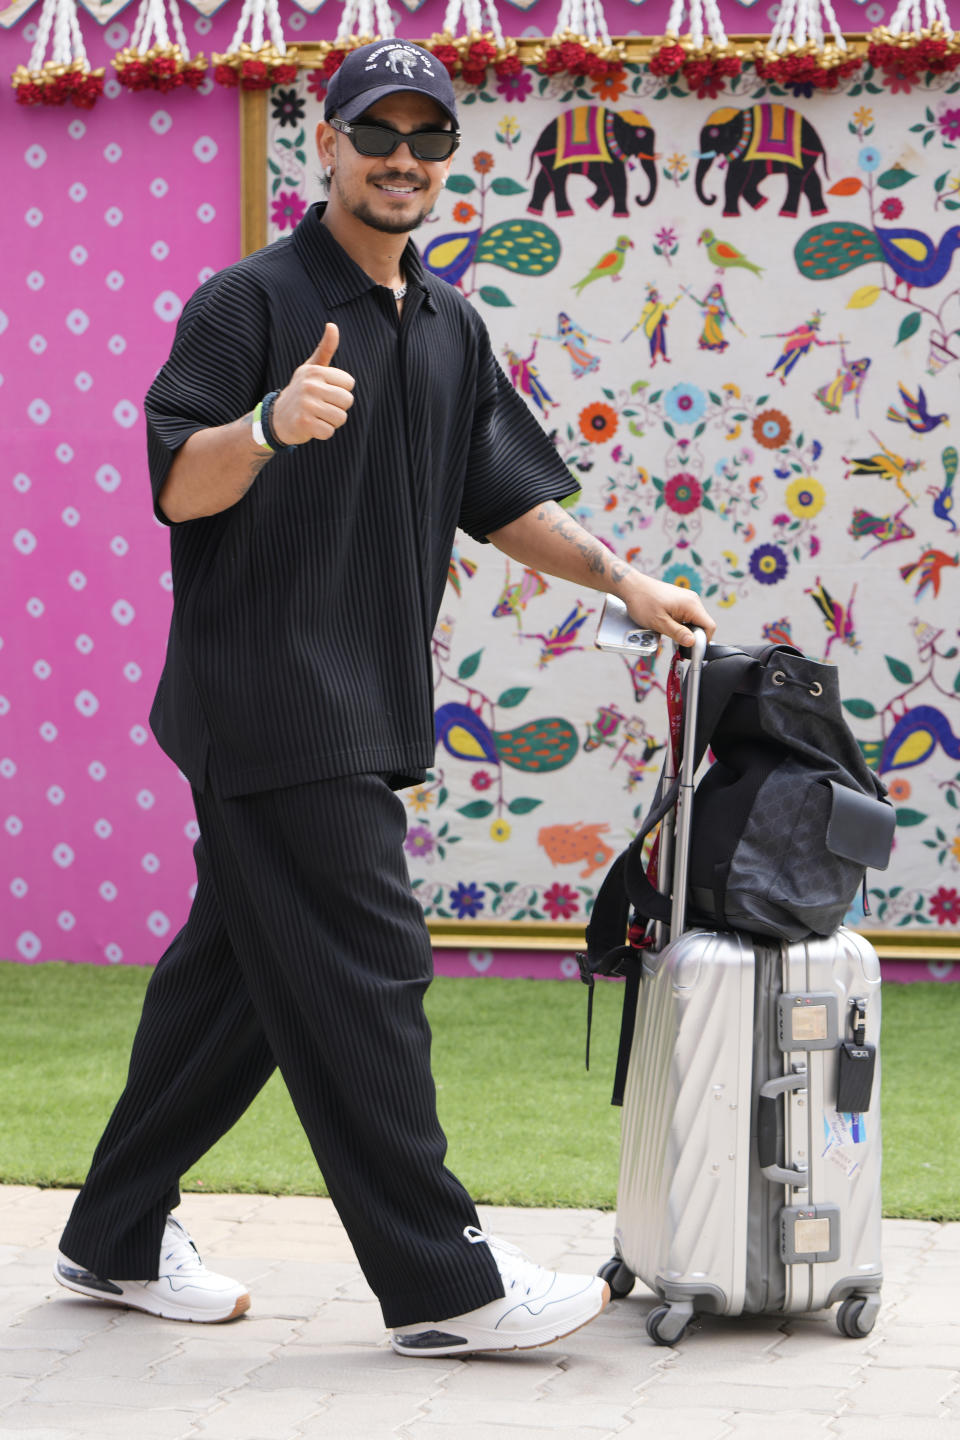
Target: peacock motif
835,247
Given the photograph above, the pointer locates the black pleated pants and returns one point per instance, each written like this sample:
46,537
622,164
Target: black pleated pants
305,949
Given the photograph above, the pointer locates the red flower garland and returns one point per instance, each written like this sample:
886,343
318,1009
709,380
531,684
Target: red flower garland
160,68
56,84
911,56
807,67
705,73
255,69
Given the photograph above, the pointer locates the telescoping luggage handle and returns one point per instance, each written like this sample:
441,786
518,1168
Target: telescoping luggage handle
682,818
674,802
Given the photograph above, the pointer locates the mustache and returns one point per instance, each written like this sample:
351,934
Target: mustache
396,177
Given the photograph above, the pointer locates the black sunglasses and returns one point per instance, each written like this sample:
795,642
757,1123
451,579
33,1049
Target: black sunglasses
380,141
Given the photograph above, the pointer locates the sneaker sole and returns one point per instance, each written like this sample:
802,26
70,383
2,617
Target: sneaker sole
119,1297
484,1347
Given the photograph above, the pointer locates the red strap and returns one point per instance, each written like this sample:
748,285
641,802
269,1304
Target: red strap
675,721
675,709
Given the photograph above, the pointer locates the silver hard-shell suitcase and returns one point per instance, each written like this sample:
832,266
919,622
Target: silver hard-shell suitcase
743,1188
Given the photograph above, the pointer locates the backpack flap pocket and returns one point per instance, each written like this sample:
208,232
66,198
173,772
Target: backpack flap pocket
860,828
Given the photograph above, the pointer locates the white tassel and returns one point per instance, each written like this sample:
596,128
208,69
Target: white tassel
586,18
799,24
60,17
699,9
476,19
366,18
260,15
907,17
66,74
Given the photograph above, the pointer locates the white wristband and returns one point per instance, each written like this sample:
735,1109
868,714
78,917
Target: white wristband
258,434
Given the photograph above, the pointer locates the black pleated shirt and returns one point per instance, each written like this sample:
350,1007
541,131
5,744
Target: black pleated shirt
299,645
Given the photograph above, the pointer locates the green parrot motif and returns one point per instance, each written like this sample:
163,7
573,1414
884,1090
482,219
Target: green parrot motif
610,264
724,255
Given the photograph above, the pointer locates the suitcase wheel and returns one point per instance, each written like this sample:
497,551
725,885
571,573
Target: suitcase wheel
856,1315
618,1277
667,1324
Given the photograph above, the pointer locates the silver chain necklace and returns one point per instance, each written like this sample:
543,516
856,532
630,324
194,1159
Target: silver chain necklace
399,294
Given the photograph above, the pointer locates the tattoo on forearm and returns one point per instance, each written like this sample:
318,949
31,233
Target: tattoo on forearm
588,545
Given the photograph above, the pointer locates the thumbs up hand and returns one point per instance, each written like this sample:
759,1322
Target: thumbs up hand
317,397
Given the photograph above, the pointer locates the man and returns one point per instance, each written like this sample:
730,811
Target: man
310,545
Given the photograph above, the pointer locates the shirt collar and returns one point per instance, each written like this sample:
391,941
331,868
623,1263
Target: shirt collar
338,277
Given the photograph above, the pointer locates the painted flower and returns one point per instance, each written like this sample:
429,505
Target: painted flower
288,210
508,128
945,906
288,107
481,780
515,87
598,423
420,799
677,163
560,902
949,123
682,493
955,847
483,162
499,831
892,208
899,789
768,564
466,900
609,88
420,842
317,83
869,158
771,429
805,497
463,212
683,575
684,404
863,117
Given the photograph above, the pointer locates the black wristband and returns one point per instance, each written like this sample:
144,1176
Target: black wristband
266,421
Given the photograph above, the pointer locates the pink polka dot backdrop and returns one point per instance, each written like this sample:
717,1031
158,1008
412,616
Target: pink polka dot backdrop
111,218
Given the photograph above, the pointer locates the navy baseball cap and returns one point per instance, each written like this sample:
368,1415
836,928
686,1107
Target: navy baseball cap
383,68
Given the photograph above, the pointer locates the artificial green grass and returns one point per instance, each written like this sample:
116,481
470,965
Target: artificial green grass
527,1125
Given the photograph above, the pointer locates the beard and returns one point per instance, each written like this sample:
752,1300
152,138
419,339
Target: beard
363,209
385,224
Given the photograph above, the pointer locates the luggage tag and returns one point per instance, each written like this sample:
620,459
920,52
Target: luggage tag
858,1061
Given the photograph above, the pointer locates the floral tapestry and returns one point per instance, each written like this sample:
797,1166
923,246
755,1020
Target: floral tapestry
736,317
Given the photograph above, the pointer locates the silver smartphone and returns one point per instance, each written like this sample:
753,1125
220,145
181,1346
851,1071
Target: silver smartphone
617,631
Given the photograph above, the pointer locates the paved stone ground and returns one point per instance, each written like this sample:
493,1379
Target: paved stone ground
311,1358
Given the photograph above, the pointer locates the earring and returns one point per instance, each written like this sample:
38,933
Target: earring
328,172
443,181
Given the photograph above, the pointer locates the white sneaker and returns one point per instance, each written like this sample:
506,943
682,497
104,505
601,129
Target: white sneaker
538,1307
185,1289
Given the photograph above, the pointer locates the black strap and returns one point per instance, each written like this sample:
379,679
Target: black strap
608,919
631,996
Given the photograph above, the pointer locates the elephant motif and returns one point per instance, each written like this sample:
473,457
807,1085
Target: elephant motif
756,142
600,144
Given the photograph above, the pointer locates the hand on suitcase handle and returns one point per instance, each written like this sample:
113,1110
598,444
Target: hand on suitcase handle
699,643
672,610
